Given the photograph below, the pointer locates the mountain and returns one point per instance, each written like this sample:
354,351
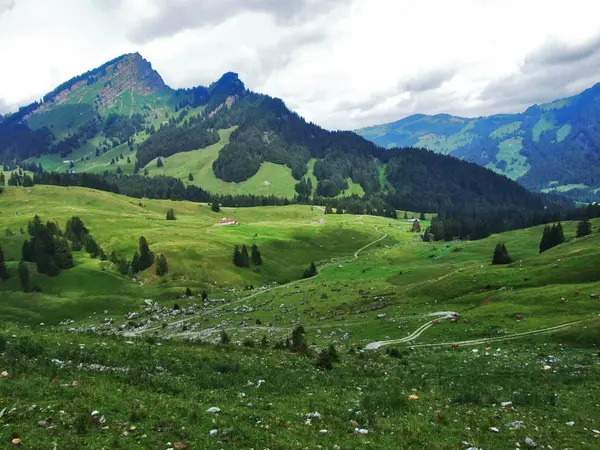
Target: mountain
122,119
554,147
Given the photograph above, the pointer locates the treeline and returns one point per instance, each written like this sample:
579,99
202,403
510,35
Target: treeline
477,224
173,139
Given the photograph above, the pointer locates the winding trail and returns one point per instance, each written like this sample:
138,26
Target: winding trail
256,294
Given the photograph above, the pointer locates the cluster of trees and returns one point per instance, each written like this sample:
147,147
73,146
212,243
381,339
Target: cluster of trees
241,258
122,127
47,248
143,259
16,179
552,236
173,139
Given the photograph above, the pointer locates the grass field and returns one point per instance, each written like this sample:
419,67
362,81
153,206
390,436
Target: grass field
155,375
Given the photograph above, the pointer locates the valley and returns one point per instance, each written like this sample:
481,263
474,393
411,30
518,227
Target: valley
153,359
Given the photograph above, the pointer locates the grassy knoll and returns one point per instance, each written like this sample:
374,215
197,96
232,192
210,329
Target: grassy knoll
154,375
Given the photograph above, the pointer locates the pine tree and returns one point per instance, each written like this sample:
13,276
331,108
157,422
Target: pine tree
24,276
144,258
237,256
171,214
245,257
159,163
224,337
128,160
422,216
298,344
311,271
405,215
2,179
416,227
188,292
584,228
3,270
27,181
215,207
162,267
501,255
256,258
339,211
545,242
190,177
328,209
204,295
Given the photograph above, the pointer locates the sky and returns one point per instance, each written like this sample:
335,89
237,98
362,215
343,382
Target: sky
343,64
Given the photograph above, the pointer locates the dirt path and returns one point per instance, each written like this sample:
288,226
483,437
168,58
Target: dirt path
256,294
422,328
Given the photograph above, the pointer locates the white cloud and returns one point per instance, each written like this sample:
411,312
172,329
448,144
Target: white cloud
339,63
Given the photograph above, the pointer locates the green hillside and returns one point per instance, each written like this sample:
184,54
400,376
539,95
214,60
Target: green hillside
534,147
146,357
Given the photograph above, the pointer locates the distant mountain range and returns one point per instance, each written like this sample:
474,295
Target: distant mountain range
122,118
554,147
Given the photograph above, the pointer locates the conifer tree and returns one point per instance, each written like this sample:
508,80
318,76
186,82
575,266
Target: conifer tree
339,211
422,216
256,257
237,256
2,179
144,258
311,271
245,257
3,270
501,255
159,163
171,214
162,267
405,215
416,227
215,207
584,228
204,295
190,177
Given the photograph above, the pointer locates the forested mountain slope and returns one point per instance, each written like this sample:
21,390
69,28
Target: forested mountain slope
121,118
554,147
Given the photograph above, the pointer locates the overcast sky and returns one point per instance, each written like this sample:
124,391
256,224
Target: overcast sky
342,64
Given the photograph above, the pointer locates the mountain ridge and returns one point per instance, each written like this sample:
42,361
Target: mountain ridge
549,147
121,118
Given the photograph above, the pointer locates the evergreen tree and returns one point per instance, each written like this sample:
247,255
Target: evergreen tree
215,207
324,360
162,267
405,215
224,337
144,258
298,344
24,276
27,181
416,227
119,170
190,177
128,160
171,214
422,216
245,259
256,258
339,211
311,271
584,228
159,163
557,235
2,179
237,256
3,270
188,292
545,242
124,266
501,255
204,295
328,209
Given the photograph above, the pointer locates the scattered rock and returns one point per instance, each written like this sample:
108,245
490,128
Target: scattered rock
213,432
213,410
413,397
179,446
547,367
323,431
44,424
570,424
494,429
516,425
507,404
313,415
361,431
3,374
16,442
530,442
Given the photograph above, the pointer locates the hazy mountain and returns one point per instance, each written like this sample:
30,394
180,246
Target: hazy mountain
549,147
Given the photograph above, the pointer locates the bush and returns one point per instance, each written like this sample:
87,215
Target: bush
324,360
248,342
224,337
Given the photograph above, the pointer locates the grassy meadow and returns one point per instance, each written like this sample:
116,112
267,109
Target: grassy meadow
149,359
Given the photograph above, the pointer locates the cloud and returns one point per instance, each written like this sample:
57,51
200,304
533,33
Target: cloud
6,5
4,107
555,70
174,16
430,80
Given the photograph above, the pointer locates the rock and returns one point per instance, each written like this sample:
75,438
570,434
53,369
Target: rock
361,431
44,424
494,429
313,415
213,432
570,424
547,367
323,431
507,404
148,302
516,425
413,397
530,442
16,442
179,446
213,410
3,374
